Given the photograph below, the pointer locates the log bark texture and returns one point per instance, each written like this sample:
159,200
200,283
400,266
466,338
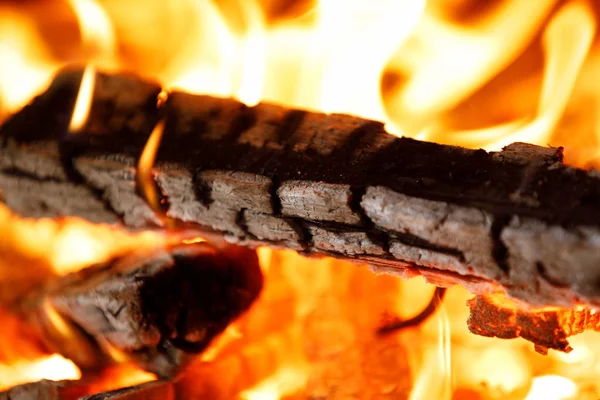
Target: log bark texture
334,184
80,390
156,308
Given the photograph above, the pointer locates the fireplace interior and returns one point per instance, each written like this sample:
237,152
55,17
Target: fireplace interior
316,199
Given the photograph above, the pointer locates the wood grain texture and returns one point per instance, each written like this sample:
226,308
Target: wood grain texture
156,308
334,184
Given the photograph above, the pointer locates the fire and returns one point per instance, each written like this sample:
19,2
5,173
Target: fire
83,102
552,387
97,33
24,58
283,382
447,71
145,178
53,368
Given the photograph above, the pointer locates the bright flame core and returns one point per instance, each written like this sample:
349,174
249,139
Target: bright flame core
83,101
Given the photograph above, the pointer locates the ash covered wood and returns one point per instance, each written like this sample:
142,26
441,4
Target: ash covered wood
497,316
328,184
157,308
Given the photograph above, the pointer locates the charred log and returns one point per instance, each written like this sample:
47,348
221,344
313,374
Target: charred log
46,390
156,308
327,184
163,390
73,390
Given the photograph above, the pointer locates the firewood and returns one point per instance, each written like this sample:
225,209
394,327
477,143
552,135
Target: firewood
157,308
73,390
334,184
46,390
157,390
497,316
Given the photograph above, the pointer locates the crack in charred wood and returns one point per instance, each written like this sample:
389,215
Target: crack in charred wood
541,269
306,238
355,139
275,200
244,120
381,238
17,173
288,126
500,251
240,220
356,195
202,189
418,242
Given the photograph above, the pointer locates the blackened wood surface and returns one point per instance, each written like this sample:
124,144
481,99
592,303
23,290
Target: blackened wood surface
156,308
157,390
329,184
80,390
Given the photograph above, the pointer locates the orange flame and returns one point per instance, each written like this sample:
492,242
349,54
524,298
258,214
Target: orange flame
97,32
283,382
83,102
53,368
145,164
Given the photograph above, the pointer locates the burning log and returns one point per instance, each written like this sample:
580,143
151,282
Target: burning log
163,390
72,390
46,390
327,184
157,308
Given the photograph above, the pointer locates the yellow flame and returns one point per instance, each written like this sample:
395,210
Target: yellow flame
78,244
53,367
552,387
145,164
567,40
447,62
355,41
83,102
230,334
57,321
97,33
284,382
117,355
434,379
25,66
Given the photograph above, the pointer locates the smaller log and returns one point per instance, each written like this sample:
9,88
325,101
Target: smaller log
497,316
46,390
79,390
156,390
156,308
